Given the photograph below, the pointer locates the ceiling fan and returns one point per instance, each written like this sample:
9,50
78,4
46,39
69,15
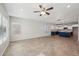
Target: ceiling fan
44,10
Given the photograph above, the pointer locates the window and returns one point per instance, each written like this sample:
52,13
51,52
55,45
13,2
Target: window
3,28
0,26
3,25
0,30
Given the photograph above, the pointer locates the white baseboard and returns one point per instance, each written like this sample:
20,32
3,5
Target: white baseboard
30,38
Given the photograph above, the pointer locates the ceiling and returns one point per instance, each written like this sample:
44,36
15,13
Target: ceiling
60,11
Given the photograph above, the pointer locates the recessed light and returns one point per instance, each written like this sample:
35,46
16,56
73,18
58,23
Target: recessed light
68,6
22,9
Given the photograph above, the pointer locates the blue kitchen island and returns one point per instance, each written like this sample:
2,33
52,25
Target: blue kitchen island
65,33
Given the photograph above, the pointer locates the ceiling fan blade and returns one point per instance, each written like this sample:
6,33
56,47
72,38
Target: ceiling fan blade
49,8
36,11
47,13
40,6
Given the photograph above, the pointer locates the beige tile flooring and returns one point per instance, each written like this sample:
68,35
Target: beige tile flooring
45,46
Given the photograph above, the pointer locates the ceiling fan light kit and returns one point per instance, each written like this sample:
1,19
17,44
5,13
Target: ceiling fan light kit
43,13
43,10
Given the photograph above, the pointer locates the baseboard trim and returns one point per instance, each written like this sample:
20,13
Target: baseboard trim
31,38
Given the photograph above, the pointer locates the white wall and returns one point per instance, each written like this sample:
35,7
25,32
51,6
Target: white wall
5,40
51,27
25,28
78,28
